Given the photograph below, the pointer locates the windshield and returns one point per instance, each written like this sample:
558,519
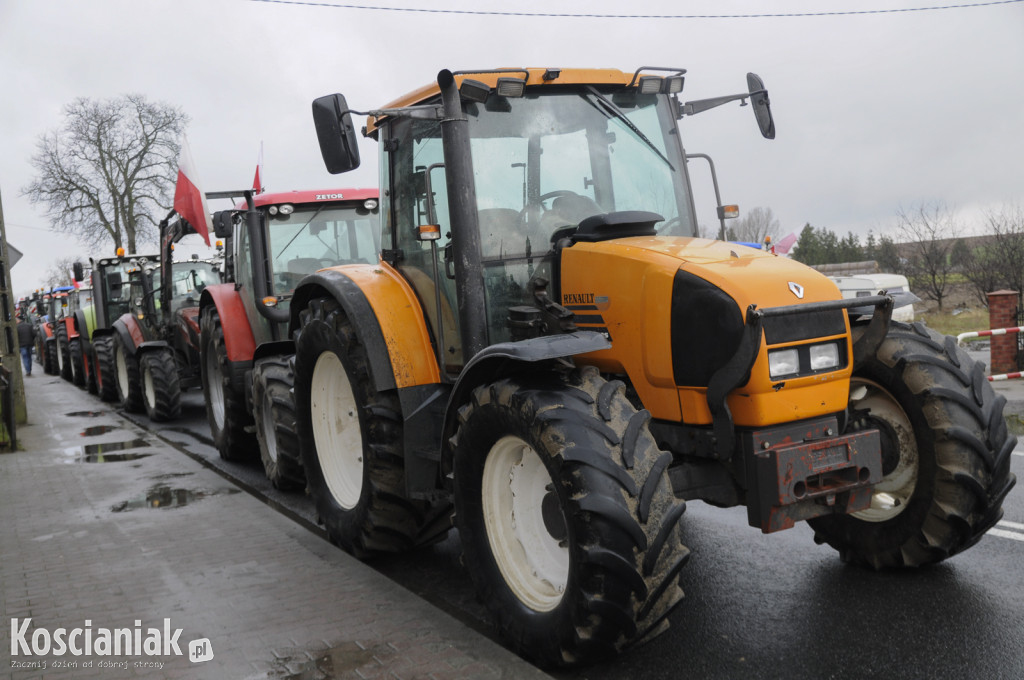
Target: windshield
545,162
190,279
314,237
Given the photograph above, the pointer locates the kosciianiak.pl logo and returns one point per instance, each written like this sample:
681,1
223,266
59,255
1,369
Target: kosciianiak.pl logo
89,641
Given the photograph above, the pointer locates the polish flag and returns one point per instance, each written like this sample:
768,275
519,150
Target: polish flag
189,201
257,181
786,243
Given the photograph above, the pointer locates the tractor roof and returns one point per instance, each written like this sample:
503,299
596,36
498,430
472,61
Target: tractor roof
312,196
534,76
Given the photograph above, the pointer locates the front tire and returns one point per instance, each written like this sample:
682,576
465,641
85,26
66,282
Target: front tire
50,357
568,522
128,382
225,402
945,454
106,371
63,353
161,391
78,372
272,380
350,436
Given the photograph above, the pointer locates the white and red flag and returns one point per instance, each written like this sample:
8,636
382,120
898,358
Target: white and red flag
257,181
189,200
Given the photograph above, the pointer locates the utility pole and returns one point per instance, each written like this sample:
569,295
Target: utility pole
10,360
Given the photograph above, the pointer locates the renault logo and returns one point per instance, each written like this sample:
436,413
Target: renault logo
796,289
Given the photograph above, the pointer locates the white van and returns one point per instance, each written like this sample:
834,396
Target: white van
864,285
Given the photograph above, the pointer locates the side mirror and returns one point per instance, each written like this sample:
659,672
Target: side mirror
761,105
223,224
78,271
339,145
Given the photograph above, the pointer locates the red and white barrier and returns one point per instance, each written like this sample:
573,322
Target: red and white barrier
971,335
974,335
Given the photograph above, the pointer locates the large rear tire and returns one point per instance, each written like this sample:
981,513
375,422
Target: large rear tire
63,352
569,526
945,454
350,436
161,391
128,382
222,390
106,371
272,381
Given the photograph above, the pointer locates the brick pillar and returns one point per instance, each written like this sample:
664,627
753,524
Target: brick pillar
1002,313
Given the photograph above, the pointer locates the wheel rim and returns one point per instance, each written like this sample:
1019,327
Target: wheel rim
525,524
215,388
148,387
891,495
336,434
122,371
60,357
267,425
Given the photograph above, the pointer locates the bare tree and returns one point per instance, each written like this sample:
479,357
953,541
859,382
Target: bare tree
755,225
928,234
999,261
59,273
109,172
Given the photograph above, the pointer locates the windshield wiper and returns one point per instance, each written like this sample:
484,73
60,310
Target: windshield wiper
311,218
601,102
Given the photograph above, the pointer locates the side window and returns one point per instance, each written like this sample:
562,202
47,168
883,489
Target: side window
416,171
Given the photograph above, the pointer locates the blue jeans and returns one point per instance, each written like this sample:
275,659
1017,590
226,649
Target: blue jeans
26,359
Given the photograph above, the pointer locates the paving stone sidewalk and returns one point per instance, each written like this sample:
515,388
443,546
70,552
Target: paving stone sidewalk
101,538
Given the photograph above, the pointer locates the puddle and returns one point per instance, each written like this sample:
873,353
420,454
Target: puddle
112,457
164,497
96,449
97,430
172,475
335,662
85,414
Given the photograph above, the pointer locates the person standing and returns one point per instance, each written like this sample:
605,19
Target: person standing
27,340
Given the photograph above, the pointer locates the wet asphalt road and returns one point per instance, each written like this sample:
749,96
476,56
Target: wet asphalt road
756,606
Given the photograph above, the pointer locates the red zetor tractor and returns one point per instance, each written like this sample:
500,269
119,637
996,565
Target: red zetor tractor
272,244
156,350
62,326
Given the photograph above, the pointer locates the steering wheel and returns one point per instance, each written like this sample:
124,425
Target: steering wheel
667,224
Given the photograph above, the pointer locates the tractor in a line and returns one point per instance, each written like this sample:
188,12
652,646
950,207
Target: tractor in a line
272,241
549,347
156,342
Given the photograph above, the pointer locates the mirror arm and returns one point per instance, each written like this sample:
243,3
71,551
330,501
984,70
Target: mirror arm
702,105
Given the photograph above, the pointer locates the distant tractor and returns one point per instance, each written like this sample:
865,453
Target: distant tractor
156,343
274,240
548,345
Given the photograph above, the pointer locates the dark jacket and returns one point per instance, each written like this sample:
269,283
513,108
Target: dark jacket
26,334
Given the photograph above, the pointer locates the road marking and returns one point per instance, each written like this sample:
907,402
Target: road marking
1017,534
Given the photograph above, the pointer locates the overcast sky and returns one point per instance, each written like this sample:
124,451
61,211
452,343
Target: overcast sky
873,112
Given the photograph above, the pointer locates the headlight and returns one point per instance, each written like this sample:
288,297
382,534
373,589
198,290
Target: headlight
783,362
824,356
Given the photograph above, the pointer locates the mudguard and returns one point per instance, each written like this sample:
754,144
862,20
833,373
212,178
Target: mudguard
127,328
386,316
507,358
238,338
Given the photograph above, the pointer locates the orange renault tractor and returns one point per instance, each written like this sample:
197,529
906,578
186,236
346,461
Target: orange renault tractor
547,345
273,240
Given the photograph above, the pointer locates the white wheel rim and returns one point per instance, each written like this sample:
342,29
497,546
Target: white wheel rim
215,387
122,370
336,433
534,564
267,425
891,495
60,357
149,387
